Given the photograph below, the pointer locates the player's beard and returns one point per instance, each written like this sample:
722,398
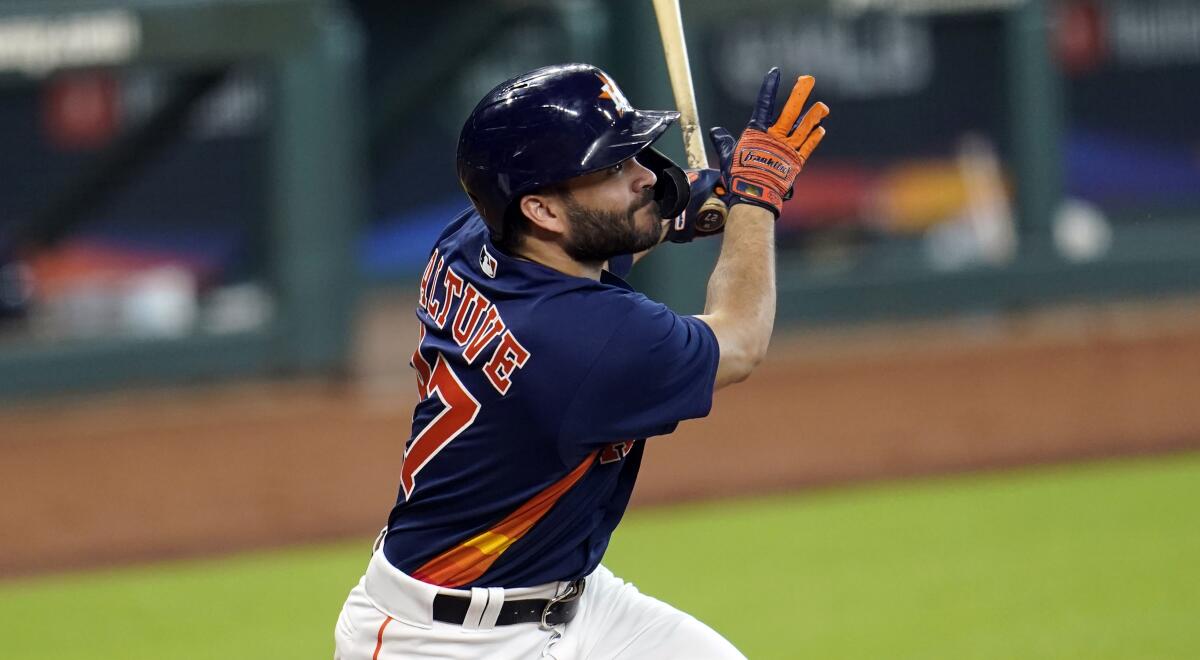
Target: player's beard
597,235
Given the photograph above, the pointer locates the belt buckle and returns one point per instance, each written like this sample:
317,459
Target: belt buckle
575,590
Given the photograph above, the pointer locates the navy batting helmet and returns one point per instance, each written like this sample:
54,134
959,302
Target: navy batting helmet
554,123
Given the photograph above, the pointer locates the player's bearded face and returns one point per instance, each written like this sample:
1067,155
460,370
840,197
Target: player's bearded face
598,235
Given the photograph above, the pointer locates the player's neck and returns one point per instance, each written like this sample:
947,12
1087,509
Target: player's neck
552,255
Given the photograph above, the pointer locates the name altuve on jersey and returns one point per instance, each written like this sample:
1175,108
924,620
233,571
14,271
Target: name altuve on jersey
476,323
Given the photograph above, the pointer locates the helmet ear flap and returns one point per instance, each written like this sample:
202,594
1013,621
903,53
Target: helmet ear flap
672,190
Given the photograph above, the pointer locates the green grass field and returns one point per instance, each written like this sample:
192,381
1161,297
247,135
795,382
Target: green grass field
1092,561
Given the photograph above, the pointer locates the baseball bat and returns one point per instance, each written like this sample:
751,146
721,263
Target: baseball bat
670,27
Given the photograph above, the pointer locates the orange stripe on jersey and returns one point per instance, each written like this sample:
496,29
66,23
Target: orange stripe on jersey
469,560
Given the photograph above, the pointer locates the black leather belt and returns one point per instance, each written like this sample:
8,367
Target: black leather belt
546,612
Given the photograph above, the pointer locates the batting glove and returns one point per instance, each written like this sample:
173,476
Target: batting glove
767,160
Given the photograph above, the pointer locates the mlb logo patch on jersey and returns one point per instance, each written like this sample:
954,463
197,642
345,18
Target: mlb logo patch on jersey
487,262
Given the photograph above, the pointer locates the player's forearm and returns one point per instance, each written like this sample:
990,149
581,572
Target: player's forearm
740,306
760,169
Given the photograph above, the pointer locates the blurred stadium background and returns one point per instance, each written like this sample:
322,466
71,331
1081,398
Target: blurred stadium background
976,434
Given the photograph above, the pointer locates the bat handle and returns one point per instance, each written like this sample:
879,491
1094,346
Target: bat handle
693,145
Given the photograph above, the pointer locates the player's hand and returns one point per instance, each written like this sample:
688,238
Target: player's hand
706,184
766,159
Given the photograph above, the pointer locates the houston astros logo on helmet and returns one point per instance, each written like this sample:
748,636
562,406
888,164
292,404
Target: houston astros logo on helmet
609,90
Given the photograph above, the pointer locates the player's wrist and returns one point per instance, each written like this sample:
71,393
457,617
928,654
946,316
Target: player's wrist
743,212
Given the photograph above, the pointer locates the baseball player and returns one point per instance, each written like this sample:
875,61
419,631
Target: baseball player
541,372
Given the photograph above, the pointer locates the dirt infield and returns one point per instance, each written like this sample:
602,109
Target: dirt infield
135,475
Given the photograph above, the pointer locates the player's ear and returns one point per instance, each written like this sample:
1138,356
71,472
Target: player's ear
545,211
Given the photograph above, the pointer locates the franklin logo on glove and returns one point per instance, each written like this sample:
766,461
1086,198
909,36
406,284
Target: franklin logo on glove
751,157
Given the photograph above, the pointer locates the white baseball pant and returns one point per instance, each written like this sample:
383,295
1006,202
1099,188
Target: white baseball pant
389,616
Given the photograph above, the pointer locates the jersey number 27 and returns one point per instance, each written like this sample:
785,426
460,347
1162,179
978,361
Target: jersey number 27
458,412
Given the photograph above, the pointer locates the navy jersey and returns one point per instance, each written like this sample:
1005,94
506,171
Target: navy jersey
537,390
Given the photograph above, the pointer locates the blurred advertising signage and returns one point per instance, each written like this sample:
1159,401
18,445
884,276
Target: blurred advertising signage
1137,34
923,6
877,55
36,45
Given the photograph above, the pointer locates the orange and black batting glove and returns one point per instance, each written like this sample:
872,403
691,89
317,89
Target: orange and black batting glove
767,160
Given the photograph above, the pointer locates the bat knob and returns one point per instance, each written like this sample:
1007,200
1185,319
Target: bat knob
712,215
